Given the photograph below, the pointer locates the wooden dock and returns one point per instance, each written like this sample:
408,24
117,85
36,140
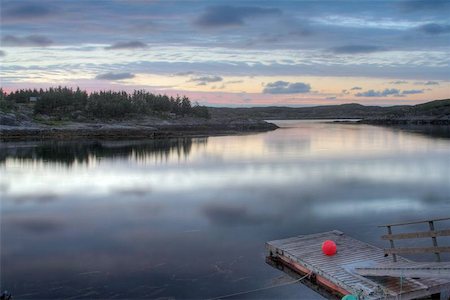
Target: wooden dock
342,273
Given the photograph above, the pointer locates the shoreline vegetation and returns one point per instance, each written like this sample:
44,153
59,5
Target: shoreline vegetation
65,113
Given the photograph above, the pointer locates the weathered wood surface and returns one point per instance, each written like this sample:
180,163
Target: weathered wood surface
415,222
416,235
408,269
303,253
416,250
432,233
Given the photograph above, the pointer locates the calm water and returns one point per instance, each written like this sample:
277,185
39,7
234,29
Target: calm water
188,218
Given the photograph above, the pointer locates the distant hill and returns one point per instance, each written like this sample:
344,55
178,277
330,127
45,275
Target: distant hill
434,111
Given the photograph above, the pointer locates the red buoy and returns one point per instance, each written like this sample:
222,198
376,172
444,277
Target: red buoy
329,248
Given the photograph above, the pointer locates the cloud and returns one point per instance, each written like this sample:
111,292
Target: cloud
434,28
426,83
356,88
410,92
301,32
27,41
373,93
284,87
330,98
425,4
225,16
399,82
357,49
27,11
127,45
114,76
208,78
183,73
2,53
204,80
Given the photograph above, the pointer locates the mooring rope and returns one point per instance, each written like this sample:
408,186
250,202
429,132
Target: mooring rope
261,289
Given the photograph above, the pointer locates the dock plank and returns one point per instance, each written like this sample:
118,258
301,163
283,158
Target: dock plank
433,270
339,271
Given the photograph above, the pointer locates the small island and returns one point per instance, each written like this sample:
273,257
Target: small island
65,113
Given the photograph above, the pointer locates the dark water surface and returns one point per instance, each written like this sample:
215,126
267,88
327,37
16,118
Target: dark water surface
188,218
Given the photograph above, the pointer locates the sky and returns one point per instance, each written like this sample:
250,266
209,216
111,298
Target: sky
233,53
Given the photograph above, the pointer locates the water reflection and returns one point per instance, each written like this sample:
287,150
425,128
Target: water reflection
193,224
82,152
234,215
442,132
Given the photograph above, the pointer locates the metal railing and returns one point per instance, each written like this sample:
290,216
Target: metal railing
431,233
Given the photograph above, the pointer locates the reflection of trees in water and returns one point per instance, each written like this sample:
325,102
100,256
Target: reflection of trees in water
82,152
442,132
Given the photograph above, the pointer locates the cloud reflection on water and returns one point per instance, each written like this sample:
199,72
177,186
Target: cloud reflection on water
232,215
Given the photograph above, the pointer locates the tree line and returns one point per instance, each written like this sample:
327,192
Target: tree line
64,101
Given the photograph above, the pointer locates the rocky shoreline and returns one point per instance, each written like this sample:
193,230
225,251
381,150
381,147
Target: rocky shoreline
410,121
132,131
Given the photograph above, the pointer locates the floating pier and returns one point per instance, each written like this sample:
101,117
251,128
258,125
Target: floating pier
358,268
